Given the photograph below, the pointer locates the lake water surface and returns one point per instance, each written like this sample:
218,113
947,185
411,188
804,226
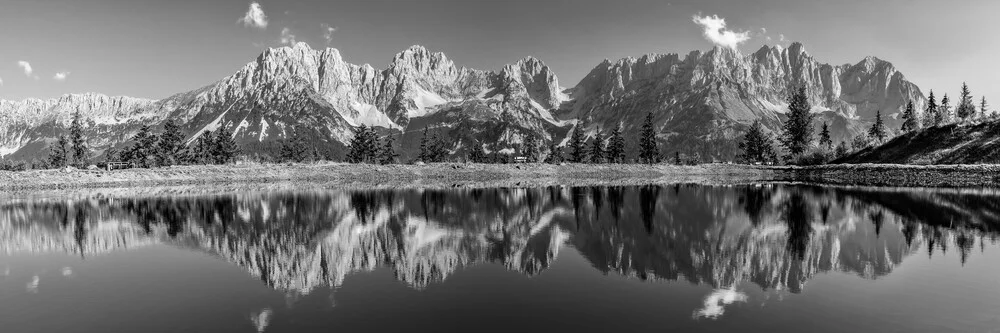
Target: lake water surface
778,258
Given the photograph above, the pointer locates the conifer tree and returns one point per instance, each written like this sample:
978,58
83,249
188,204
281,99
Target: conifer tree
648,150
477,154
79,145
58,153
363,148
388,155
797,133
424,148
225,148
530,148
931,113
170,144
965,110
842,149
295,149
203,152
877,131
616,146
555,154
142,151
438,149
577,143
909,119
824,137
984,108
943,115
597,148
756,145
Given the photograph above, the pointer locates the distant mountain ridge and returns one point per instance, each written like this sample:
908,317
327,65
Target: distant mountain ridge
701,103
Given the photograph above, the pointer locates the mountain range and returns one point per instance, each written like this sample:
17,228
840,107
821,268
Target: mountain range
701,102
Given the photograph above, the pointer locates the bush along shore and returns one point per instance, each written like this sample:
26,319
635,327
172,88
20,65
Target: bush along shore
486,175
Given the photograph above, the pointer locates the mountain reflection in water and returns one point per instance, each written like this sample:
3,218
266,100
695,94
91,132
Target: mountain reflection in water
777,237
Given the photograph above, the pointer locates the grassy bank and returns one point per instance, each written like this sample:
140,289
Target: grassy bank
489,175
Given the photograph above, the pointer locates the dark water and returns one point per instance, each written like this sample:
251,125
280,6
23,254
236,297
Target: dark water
635,259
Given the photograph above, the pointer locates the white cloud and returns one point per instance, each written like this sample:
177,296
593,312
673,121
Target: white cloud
255,17
328,32
715,303
26,67
287,37
61,76
716,32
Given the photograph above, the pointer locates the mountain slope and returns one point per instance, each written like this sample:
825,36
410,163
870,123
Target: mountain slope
948,144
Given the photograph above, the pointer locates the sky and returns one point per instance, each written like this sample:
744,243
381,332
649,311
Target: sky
156,48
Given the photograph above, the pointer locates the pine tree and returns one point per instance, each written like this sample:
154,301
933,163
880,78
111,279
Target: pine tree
931,113
648,150
59,153
555,154
530,148
877,131
438,149
80,151
841,149
477,154
798,129
225,148
909,119
364,147
943,115
824,137
295,149
142,151
388,155
597,148
616,146
424,155
756,145
577,143
965,110
984,108
170,144
202,153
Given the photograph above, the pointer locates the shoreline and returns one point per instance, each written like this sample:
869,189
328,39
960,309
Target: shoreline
340,175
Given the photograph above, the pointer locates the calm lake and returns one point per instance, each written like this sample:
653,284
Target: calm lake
779,258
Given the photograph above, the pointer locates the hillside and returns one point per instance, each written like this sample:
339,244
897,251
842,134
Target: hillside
949,144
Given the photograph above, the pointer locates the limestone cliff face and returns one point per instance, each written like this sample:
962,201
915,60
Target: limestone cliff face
701,101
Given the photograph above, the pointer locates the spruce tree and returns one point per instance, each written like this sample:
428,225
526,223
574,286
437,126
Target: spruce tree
943,115
80,150
555,154
59,153
202,153
530,149
388,155
648,150
984,108
437,150
424,148
842,149
616,146
170,144
931,113
597,148
477,154
756,145
577,143
295,149
225,148
877,131
797,133
965,110
909,119
142,151
824,137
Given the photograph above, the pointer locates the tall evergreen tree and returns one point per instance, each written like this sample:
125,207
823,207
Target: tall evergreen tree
616,146
59,153
424,155
756,145
530,149
984,108
797,133
203,150
877,131
142,151
477,154
225,149
943,115
966,109
841,149
80,151
555,154
909,119
649,152
295,148
170,144
577,143
438,149
597,148
363,148
931,113
824,137
388,155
